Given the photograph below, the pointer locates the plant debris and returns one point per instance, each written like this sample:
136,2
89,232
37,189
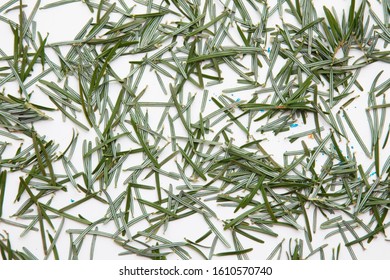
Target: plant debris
176,107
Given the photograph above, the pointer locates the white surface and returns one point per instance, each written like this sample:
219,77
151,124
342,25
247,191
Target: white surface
63,23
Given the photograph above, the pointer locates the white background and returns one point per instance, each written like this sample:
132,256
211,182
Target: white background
62,24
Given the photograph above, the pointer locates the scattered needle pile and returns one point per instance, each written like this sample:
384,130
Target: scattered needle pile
144,159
